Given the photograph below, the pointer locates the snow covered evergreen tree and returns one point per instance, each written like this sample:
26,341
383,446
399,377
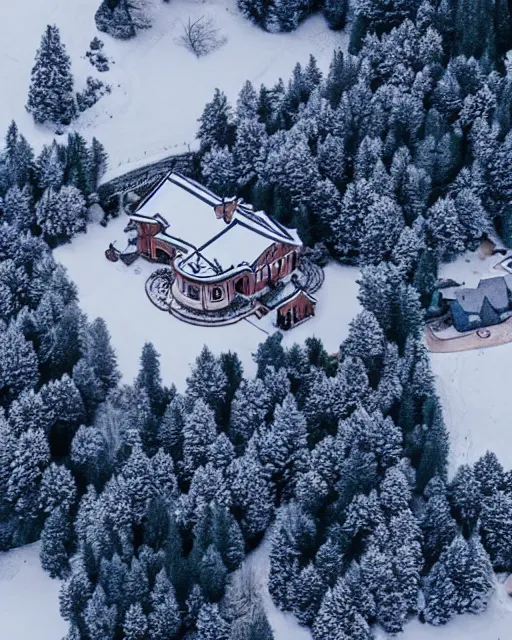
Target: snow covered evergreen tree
164,619
51,97
199,434
207,381
123,18
216,126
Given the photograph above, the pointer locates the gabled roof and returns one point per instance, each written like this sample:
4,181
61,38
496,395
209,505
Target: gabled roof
185,210
495,290
471,300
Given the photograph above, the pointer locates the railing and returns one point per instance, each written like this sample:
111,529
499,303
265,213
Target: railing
144,175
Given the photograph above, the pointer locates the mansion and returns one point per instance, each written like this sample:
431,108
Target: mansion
228,260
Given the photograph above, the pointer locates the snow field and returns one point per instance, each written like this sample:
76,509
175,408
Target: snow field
473,385
159,89
29,598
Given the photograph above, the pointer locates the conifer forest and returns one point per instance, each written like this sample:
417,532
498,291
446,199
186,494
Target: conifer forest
149,499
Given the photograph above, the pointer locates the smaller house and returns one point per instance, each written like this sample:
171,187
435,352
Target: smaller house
488,304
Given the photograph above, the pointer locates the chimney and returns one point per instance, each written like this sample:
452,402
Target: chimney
226,210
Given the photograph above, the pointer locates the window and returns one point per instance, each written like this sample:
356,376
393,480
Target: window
217,293
193,292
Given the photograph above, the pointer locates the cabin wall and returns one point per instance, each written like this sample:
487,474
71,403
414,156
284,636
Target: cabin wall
295,311
145,234
274,264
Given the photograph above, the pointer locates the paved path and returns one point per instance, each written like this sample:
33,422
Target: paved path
500,334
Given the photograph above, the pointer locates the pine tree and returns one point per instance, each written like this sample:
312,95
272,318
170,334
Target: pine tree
78,164
88,454
61,215
137,475
89,385
283,449
381,230
339,618
248,410
335,12
123,18
252,495
51,97
64,405
54,540
216,128
112,577
218,171
210,624
18,364
331,159
465,496
100,619
164,619
365,340
494,516
150,379
199,434
438,526
247,103
98,164
489,473
207,381
75,594
50,167
308,592
135,623
57,490
395,493
250,138
212,574
171,427
101,355
434,454
28,412
18,208
269,353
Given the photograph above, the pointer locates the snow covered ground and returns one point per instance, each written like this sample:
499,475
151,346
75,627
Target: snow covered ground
29,598
493,624
284,625
116,292
159,89
473,385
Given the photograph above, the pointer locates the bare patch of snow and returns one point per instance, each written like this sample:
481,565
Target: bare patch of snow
284,625
116,292
29,598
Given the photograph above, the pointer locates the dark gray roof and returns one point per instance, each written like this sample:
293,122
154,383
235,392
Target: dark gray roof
508,281
471,300
495,290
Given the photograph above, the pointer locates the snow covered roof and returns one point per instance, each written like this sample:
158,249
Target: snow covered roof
186,212
238,245
283,294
